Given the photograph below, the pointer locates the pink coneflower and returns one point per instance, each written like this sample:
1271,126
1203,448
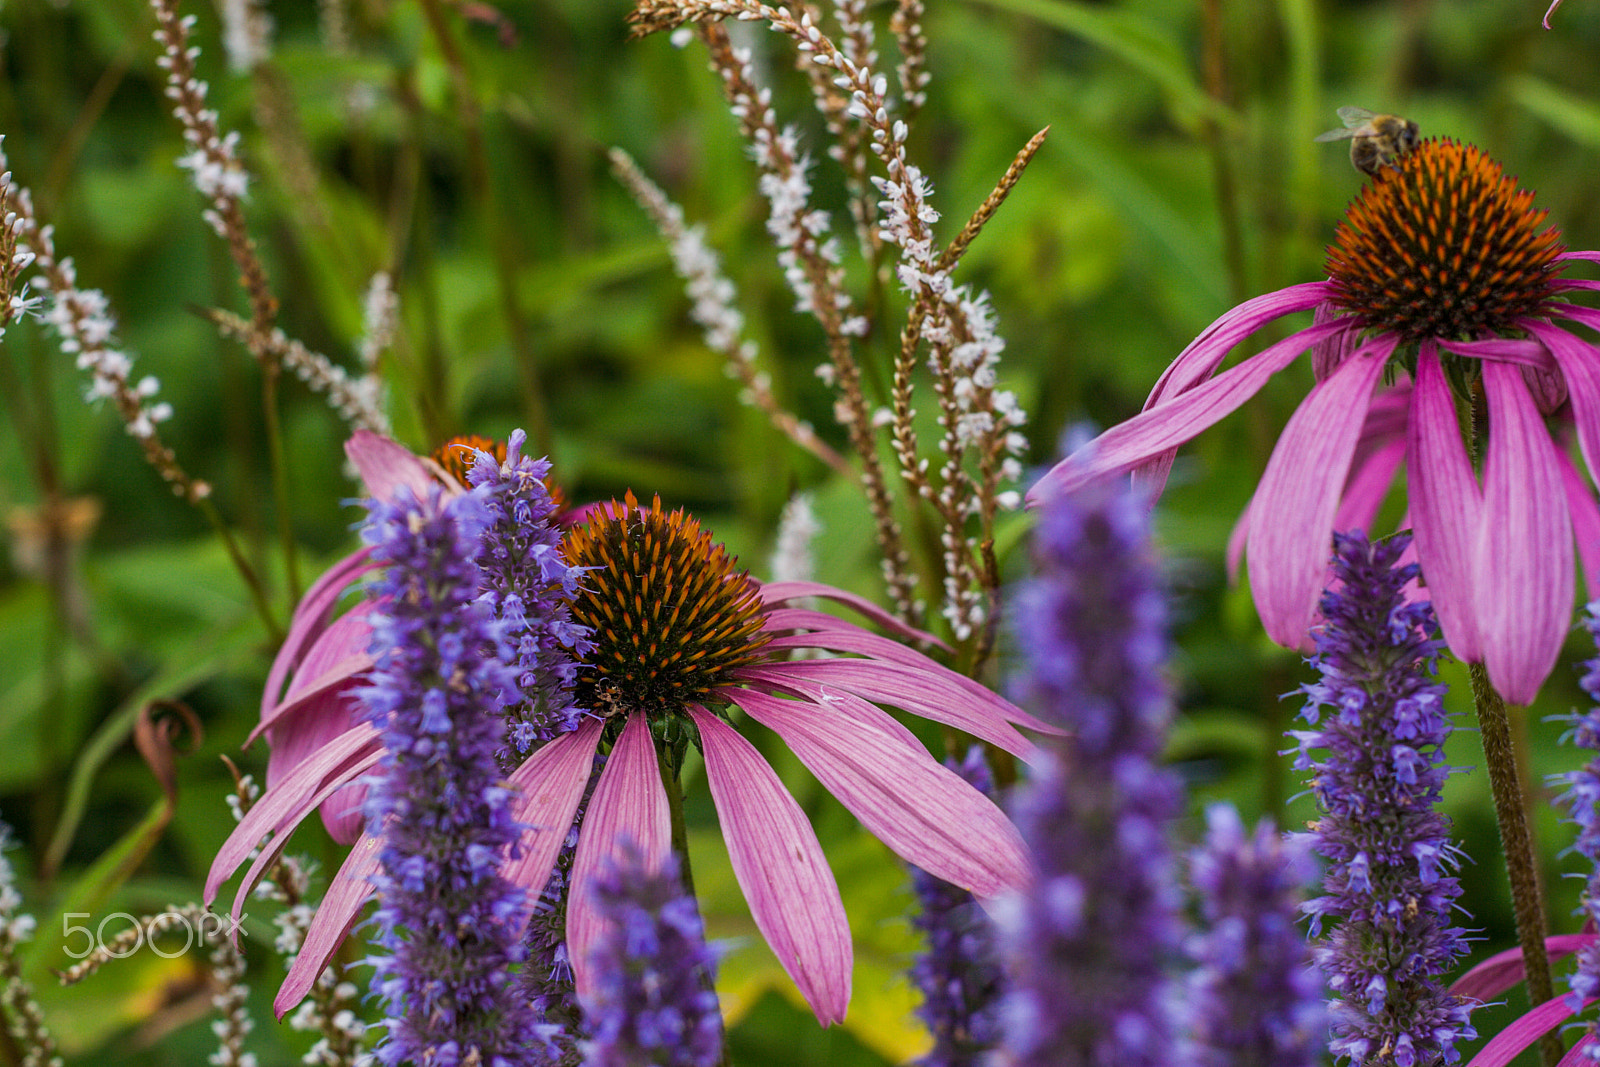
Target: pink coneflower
1440,282
680,640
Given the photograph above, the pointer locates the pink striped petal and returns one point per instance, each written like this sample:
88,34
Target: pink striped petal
1445,505
1237,538
286,804
918,807
1291,518
549,788
1585,513
1577,362
348,890
629,805
773,593
1201,357
1525,565
1174,421
780,867
902,687
310,617
1582,1053
386,465
1503,1047
338,655
1503,970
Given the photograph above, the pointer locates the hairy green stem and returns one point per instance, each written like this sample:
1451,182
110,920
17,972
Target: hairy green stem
1527,896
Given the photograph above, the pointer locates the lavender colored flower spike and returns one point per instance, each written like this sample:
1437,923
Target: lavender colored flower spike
1381,725
1582,801
1091,941
652,1004
959,975
447,917
528,585
1255,1000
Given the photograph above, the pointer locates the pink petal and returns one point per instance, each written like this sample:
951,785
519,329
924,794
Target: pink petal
549,788
1585,514
903,796
348,890
1525,565
338,655
1583,1052
780,867
310,617
282,807
1201,357
1369,485
385,466
905,688
1503,970
1577,362
1291,518
629,805
1445,505
1503,1047
1237,538
1154,431
773,593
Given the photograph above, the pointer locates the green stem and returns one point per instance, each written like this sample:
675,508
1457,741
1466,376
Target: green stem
280,476
1527,898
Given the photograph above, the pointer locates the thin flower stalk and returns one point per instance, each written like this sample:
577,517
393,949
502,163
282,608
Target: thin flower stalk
906,25
849,148
1379,721
213,161
17,1003
246,33
711,295
1092,942
810,259
1255,997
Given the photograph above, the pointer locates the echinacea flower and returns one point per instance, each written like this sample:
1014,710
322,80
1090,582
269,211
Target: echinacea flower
1441,280
680,638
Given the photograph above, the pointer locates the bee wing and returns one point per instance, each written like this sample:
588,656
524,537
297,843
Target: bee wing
1355,116
1335,135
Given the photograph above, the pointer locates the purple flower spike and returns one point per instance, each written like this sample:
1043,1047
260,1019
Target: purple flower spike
448,918
1255,1000
959,975
1582,800
1092,940
529,586
652,1004
1381,725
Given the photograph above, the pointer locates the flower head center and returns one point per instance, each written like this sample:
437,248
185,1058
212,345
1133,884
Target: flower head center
1442,243
458,454
671,618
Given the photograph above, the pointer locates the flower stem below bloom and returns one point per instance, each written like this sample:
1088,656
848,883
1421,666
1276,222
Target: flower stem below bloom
1516,840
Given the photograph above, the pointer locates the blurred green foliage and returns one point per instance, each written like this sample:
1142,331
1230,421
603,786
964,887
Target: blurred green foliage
466,155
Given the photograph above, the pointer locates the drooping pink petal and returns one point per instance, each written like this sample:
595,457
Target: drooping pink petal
1524,587
780,867
549,788
310,616
780,592
338,655
1237,538
1445,505
1504,1047
918,807
1369,484
348,890
1577,362
1201,358
1291,517
905,688
1175,420
386,465
291,800
1585,512
836,636
1503,970
629,805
